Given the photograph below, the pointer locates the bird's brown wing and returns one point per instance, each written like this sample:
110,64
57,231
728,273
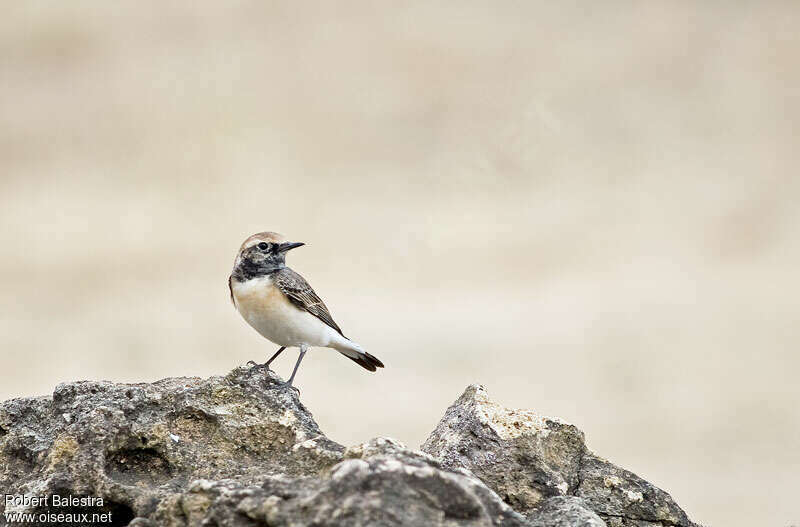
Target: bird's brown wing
301,295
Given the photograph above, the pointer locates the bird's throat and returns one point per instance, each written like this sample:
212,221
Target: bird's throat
247,269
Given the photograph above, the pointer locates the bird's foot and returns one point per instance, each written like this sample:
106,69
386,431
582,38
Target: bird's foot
256,366
284,385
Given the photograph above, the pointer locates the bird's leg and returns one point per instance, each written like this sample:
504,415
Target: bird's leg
303,350
280,350
266,364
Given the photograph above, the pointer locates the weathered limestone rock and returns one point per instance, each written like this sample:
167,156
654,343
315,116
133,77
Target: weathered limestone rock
624,499
135,444
523,457
236,451
379,484
528,459
565,511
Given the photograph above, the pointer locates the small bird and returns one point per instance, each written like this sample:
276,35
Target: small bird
279,304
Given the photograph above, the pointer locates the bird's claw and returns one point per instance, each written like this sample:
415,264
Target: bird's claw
257,366
284,385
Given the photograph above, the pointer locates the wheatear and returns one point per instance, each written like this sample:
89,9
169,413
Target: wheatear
279,303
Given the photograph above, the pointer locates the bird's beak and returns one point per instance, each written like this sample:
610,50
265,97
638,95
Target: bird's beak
288,246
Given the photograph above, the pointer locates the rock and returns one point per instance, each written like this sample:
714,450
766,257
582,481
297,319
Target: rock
382,484
238,451
565,511
624,499
530,459
137,444
523,457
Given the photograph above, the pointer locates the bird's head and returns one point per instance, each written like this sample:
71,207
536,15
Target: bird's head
261,254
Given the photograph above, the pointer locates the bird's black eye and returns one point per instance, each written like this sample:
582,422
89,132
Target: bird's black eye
263,246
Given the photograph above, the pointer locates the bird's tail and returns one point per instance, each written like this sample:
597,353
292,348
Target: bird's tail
355,353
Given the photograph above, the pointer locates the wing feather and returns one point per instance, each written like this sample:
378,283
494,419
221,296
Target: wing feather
303,296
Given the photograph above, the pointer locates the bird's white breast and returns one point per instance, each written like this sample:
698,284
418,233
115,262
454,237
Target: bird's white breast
270,313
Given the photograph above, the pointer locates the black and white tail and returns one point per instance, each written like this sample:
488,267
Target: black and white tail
355,353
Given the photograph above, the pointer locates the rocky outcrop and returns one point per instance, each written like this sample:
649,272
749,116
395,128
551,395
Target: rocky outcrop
533,461
380,483
524,457
239,451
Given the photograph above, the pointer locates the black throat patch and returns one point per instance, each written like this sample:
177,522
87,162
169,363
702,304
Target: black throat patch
248,269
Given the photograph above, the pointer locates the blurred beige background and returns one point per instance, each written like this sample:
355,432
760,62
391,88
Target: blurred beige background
591,209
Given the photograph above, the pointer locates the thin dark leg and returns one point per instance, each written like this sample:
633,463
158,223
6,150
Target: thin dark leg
274,356
297,365
266,364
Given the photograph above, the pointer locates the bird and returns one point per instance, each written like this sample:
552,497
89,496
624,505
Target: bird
280,305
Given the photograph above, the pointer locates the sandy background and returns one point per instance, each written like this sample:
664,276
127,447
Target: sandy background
591,209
